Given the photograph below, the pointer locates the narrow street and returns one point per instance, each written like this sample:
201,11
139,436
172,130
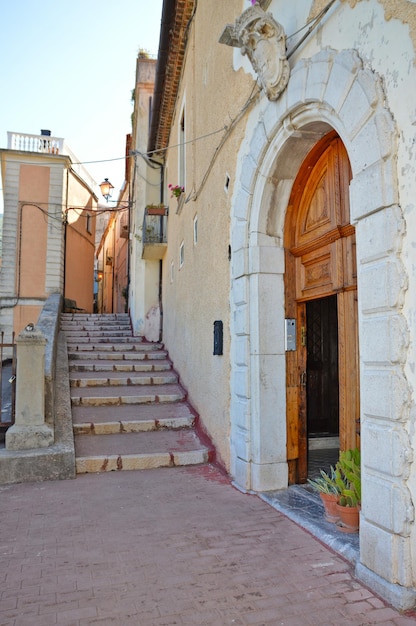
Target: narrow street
168,547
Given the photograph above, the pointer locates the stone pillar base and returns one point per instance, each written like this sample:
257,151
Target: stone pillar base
402,598
21,437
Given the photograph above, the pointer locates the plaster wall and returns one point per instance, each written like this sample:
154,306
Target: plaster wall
196,293
32,239
80,244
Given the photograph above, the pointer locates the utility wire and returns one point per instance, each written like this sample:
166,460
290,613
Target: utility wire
228,130
313,23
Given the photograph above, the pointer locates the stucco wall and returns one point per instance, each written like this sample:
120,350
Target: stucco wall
80,244
197,294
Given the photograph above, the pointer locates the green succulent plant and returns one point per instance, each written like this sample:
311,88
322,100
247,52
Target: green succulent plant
325,483
348,470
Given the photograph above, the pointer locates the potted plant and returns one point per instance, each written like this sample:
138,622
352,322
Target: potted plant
329,491
348,473
156,209
176,190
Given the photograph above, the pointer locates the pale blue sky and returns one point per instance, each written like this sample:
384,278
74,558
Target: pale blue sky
69,67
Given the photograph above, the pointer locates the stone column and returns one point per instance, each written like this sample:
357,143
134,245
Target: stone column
29,430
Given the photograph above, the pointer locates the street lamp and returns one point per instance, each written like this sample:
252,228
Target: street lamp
106,188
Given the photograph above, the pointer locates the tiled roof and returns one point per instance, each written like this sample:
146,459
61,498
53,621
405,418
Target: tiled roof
176,18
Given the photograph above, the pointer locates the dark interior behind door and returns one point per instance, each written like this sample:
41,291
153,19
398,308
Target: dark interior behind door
322,368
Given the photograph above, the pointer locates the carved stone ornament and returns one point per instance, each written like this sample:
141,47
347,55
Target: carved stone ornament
263,40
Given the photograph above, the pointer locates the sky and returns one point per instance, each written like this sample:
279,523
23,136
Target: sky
69,67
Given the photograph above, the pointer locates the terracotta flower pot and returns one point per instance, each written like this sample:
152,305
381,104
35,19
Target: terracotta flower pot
156,210
329,500
349,518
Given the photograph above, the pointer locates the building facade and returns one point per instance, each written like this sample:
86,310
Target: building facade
145,266
48,229
288,127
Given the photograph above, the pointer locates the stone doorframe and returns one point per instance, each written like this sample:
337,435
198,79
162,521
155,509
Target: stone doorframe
331,90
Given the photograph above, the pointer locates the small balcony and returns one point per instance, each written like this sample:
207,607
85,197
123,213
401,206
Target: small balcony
155,224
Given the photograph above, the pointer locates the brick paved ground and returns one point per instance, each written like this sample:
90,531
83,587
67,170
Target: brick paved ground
168,547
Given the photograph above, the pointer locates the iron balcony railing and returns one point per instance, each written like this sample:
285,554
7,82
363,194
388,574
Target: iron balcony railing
155,223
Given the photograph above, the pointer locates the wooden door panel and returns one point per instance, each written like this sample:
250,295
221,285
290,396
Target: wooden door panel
302,407
315,274
349,400
320,261
315,215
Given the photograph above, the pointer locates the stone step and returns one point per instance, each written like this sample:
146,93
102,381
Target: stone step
126,418
110,338
128,409
137,451
116,365
90,356
97,325
129,394
117,346
98,332
95,317
97,379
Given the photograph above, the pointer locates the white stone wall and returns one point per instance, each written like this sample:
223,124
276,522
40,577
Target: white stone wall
351,75
144,274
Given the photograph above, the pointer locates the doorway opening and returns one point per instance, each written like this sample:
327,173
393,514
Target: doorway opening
322,384
322,370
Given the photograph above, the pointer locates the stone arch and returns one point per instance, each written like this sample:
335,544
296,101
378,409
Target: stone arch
330,91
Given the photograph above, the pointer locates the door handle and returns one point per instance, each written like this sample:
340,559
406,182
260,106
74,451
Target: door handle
303,377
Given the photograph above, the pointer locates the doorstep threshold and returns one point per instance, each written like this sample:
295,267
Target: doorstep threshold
304,507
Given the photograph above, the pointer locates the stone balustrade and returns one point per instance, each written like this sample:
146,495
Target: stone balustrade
44,144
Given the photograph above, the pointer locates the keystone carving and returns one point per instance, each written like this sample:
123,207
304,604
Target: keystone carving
263,40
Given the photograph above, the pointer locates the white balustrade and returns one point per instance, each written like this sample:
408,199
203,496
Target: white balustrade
35,143
46,144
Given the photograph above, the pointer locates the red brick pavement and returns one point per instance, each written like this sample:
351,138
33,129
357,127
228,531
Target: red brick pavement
168,547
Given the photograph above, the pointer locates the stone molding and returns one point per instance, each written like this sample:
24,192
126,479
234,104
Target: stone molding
263,40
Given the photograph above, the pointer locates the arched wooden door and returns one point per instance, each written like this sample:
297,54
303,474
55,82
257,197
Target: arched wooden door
321,295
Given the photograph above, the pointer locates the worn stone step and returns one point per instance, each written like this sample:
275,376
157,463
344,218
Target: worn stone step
120,394
95,317
99,420
164,448
95,325
116,365
128,409
77,357
121,348
116,334
97,379
110,338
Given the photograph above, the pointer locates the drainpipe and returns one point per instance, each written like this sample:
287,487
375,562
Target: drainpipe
162,180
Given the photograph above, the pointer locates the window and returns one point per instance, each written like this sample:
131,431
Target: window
89,223
227,183
172,268
182,160
195,230
181,254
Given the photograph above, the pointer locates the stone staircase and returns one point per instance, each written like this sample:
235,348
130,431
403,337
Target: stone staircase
128,409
